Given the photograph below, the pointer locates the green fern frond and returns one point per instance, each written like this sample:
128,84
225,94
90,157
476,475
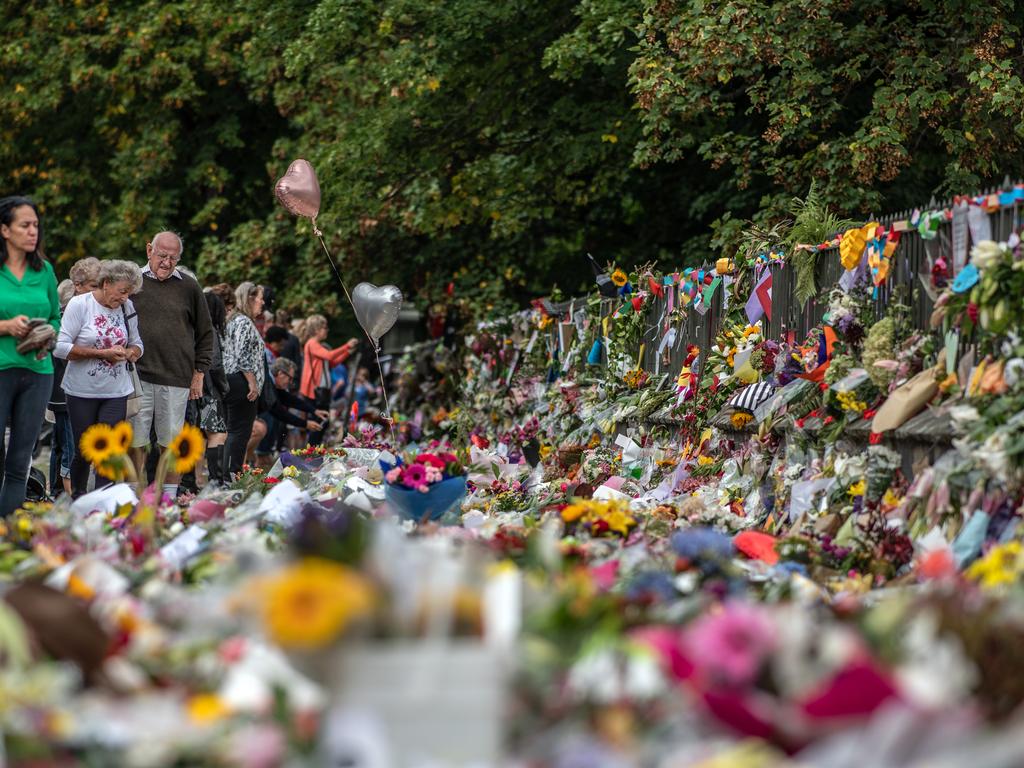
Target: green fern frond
813,222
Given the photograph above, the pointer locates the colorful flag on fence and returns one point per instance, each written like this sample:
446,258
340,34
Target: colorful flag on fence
760,301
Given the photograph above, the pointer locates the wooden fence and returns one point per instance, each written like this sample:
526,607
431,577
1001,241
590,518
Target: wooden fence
911,263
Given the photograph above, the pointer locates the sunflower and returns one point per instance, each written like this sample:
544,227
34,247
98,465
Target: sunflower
98,444
186,449
310,603
123,436
619,278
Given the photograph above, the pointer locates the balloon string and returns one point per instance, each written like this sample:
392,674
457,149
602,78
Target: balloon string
376,346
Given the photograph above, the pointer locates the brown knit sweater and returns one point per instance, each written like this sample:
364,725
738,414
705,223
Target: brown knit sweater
174,323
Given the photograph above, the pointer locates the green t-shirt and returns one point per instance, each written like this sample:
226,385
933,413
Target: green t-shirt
35,295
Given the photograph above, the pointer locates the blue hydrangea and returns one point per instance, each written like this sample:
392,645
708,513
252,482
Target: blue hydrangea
702,542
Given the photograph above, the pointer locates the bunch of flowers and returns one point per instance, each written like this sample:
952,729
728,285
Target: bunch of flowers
600,517
996,298
848,401
849,312
636,378
419,473
318,451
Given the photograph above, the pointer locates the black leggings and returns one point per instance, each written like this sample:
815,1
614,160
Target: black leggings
84,412
239,414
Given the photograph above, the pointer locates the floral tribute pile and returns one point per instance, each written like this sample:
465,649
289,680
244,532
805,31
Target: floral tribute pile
760,552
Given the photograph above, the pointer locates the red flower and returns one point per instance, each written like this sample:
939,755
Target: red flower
757,546
972,312
869,413
822,386
799,423
431,459
829,419
875,438
271,480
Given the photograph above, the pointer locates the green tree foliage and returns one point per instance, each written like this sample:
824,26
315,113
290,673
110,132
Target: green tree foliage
489,145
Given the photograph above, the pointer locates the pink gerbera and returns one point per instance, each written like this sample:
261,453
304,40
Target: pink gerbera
393,475
414,475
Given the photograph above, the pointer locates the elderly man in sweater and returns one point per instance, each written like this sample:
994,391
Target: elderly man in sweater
174,323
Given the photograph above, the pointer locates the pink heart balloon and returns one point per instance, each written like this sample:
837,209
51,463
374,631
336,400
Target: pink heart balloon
299,190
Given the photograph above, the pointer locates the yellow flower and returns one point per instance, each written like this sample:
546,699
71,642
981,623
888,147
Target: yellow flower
857,489
545,451
107,469
186,448
1001,566
740,420
891,498
98,444
611,515
290,471
705,460
123,436
207,708
619,278
573,512
619,521
310,603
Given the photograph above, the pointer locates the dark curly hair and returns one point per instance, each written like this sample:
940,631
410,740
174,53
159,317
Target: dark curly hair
7,206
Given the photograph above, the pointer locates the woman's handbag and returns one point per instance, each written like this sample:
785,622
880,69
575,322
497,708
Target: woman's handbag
134,403
322,393
268,397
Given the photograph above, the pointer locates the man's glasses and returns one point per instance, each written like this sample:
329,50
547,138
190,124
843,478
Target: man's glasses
161,258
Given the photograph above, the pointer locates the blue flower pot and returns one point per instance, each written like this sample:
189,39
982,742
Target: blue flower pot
416,506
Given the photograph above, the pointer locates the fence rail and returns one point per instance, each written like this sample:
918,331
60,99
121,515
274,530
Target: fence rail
912,261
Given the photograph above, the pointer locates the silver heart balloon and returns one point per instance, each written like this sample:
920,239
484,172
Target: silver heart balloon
376,308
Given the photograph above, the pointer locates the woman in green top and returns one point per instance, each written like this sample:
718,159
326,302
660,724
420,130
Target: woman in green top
28,290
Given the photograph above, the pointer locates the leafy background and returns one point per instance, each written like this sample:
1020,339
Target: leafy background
489,145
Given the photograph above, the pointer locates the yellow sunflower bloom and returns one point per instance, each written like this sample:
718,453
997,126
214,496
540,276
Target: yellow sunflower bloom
187,448
619,278
123,436
98,444
740,420
309,604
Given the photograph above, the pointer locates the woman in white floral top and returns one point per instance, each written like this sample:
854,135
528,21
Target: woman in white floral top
244,364
99,336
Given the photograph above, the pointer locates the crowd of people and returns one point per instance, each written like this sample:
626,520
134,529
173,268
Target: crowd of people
149,345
